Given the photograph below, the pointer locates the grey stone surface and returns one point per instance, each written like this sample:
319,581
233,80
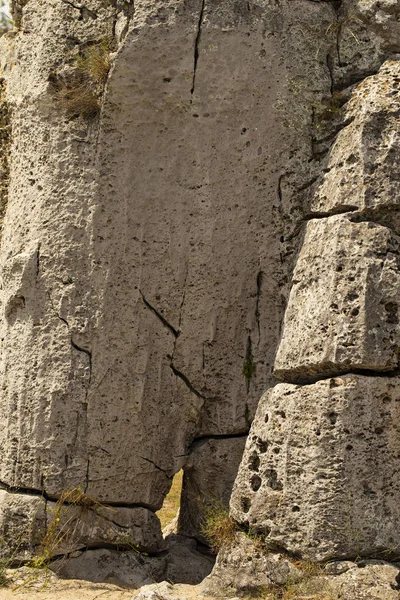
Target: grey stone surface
185,563
342,312
127,569
245,568
207,482
140,245
378,581
26,519
319,473
363,166
181,563
22,525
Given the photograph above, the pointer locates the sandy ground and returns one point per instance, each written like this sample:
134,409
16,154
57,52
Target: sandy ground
50,587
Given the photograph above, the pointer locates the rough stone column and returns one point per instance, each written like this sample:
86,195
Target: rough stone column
319,476
151,231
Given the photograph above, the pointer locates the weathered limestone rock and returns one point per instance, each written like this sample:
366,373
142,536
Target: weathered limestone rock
319,476
245,568
180,563
146,231
372,580
207,482
127,569
342,313
363,170
25,520
22,524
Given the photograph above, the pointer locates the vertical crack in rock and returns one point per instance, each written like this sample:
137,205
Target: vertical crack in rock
5,148
88,354
257,310
159,316
330,66
183,300
196,46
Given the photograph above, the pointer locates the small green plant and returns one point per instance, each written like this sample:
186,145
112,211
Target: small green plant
218,527
249,367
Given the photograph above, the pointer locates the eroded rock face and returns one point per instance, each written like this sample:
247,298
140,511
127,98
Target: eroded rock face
148,231
207,483
318,476
342,312
153,223
25,519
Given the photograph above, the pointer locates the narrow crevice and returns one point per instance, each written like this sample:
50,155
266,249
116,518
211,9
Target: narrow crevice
157,467
330,67
83,10
38,262
356,80
220,436
159,316
340,210
88,354
297,378
187,383
333,134
258,298
87,473
182,302
197,46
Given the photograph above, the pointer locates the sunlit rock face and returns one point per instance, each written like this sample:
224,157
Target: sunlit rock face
156,208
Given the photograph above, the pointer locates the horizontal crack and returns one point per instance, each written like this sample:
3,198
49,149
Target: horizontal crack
159,316
295,378
222,436
49,498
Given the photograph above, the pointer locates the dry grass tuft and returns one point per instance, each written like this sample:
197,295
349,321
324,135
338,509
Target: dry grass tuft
78,93
218,527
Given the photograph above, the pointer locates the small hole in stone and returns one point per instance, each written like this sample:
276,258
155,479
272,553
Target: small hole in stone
262,446
266,418
245,503
296,508
272,479
349,447
332,418
255,483
276,450
254,461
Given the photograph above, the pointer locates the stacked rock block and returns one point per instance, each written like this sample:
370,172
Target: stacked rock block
319,475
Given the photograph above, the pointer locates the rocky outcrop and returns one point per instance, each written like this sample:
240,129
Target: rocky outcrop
318,477
170,164
319,474
155,185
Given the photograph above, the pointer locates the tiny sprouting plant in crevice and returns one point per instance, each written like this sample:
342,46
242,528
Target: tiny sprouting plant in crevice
78,90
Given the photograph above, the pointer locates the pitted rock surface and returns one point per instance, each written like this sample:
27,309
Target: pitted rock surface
319,473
